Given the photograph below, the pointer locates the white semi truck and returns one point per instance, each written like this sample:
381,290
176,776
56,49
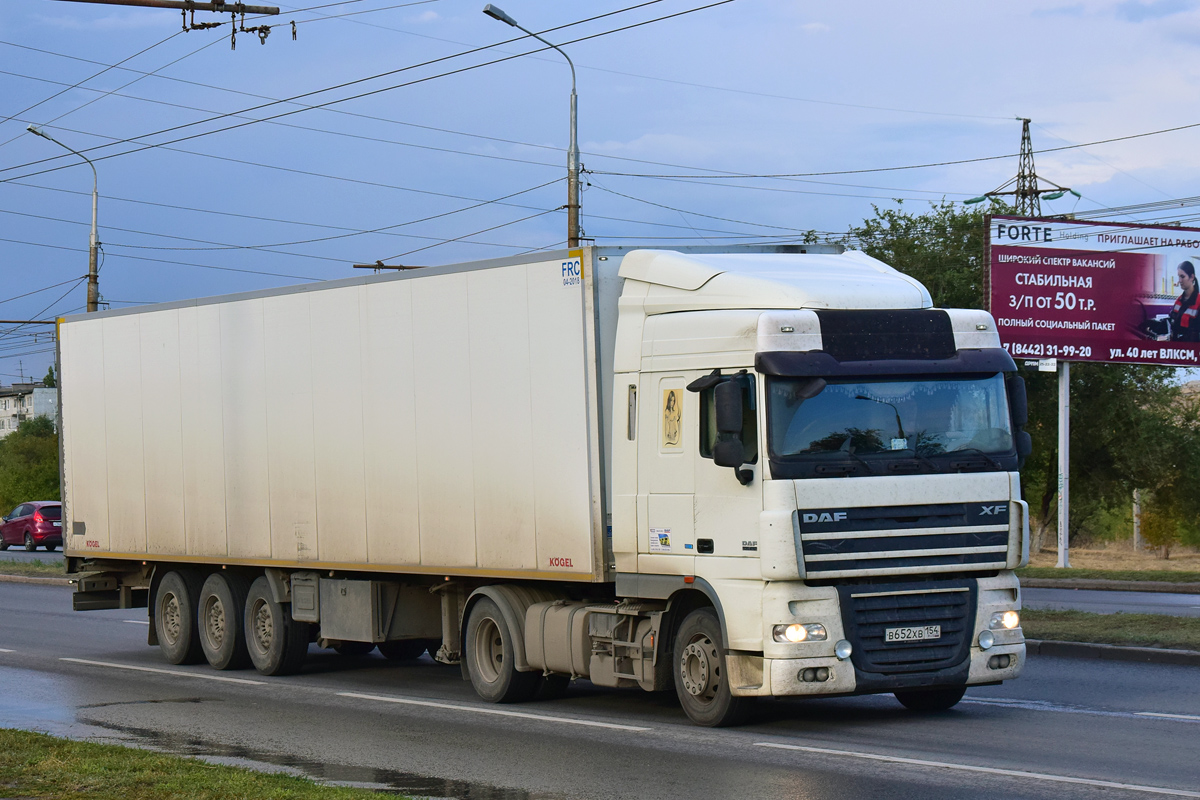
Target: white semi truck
735,473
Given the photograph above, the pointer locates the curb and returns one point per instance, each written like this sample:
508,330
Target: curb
35,580
1111,586
1111,652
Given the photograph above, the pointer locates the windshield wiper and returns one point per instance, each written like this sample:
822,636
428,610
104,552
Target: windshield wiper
995,464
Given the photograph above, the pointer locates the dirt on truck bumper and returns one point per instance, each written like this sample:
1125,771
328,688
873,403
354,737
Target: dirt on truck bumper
857,618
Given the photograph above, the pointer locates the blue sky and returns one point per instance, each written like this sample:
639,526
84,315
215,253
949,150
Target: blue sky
749,87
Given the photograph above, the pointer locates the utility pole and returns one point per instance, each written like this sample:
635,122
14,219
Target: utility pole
572,148
93,274
1028,192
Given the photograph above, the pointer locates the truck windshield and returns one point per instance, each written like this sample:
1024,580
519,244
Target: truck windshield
865,424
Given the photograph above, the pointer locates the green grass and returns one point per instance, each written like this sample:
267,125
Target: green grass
1132,630
1161,576
35,568
36,765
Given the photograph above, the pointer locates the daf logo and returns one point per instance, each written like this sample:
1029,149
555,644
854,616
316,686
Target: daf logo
990,511
825,516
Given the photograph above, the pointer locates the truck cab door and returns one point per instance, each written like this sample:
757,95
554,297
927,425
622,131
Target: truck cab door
666,475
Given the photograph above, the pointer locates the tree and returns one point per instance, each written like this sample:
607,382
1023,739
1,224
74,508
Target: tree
1126,432
48,381
29,464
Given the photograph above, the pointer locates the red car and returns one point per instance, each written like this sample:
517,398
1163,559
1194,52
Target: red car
33,524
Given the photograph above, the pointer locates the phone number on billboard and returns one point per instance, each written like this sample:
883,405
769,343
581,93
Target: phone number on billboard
1049,350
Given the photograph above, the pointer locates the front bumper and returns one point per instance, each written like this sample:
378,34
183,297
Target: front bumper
784,666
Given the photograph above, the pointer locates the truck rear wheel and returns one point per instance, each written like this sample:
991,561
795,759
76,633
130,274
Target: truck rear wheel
940,699
277,643
219,620
490,657
348,648
402,649
175,604
700,674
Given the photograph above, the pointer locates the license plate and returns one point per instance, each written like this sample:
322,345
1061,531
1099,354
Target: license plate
58,524
912,634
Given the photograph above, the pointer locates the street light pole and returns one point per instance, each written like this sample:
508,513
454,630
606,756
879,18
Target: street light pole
573,148
93,276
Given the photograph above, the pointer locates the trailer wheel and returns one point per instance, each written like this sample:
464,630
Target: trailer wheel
175,605
219,620
402,649
942,698
347,648
277,643
700,675
490,660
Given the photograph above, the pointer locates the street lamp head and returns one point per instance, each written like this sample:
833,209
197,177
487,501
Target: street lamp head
35,131
496,13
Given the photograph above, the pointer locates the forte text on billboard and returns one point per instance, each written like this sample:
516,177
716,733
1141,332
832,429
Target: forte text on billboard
1092,291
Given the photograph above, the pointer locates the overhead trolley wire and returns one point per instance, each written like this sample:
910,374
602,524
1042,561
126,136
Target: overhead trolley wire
132,140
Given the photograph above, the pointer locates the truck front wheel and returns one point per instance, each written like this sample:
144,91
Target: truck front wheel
490,657
939,699
277,643
175,604
222,632
701,680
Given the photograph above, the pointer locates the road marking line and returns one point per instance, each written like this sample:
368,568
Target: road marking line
137,621
1045,705
177,672
3,650
495,711
1168,716
1012,773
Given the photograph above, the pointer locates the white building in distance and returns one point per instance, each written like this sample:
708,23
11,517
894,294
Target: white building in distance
23,401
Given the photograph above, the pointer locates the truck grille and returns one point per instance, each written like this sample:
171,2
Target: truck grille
869,610
903,540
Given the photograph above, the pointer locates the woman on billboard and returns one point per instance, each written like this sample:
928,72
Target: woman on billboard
1185,327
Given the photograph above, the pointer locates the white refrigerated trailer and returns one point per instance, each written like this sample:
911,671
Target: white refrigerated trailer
763,471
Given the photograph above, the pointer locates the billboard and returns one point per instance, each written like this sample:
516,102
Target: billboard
1095,291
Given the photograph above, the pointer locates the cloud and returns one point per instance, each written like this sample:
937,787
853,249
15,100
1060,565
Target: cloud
1143,10
815,27
428,16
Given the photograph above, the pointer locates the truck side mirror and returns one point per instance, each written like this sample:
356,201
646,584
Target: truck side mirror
729,449
1024,447
727,397
1018,400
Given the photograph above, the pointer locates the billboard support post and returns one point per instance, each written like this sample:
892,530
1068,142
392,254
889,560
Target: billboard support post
1064,461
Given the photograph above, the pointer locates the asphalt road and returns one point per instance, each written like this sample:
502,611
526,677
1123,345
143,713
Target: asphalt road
1099,602
1067,729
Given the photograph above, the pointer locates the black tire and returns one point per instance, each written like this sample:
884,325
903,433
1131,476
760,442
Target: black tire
354,648
29,544
489,656
700,674
277,643
219,620
50,548
175,604
402,649
941,698
3,545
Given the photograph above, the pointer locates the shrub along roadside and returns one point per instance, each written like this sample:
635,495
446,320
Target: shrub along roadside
1129,630
33,569
37,765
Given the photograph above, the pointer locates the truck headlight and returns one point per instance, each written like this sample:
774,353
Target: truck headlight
1006,620
792,634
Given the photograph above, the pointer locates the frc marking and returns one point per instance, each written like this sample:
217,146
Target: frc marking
825,516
